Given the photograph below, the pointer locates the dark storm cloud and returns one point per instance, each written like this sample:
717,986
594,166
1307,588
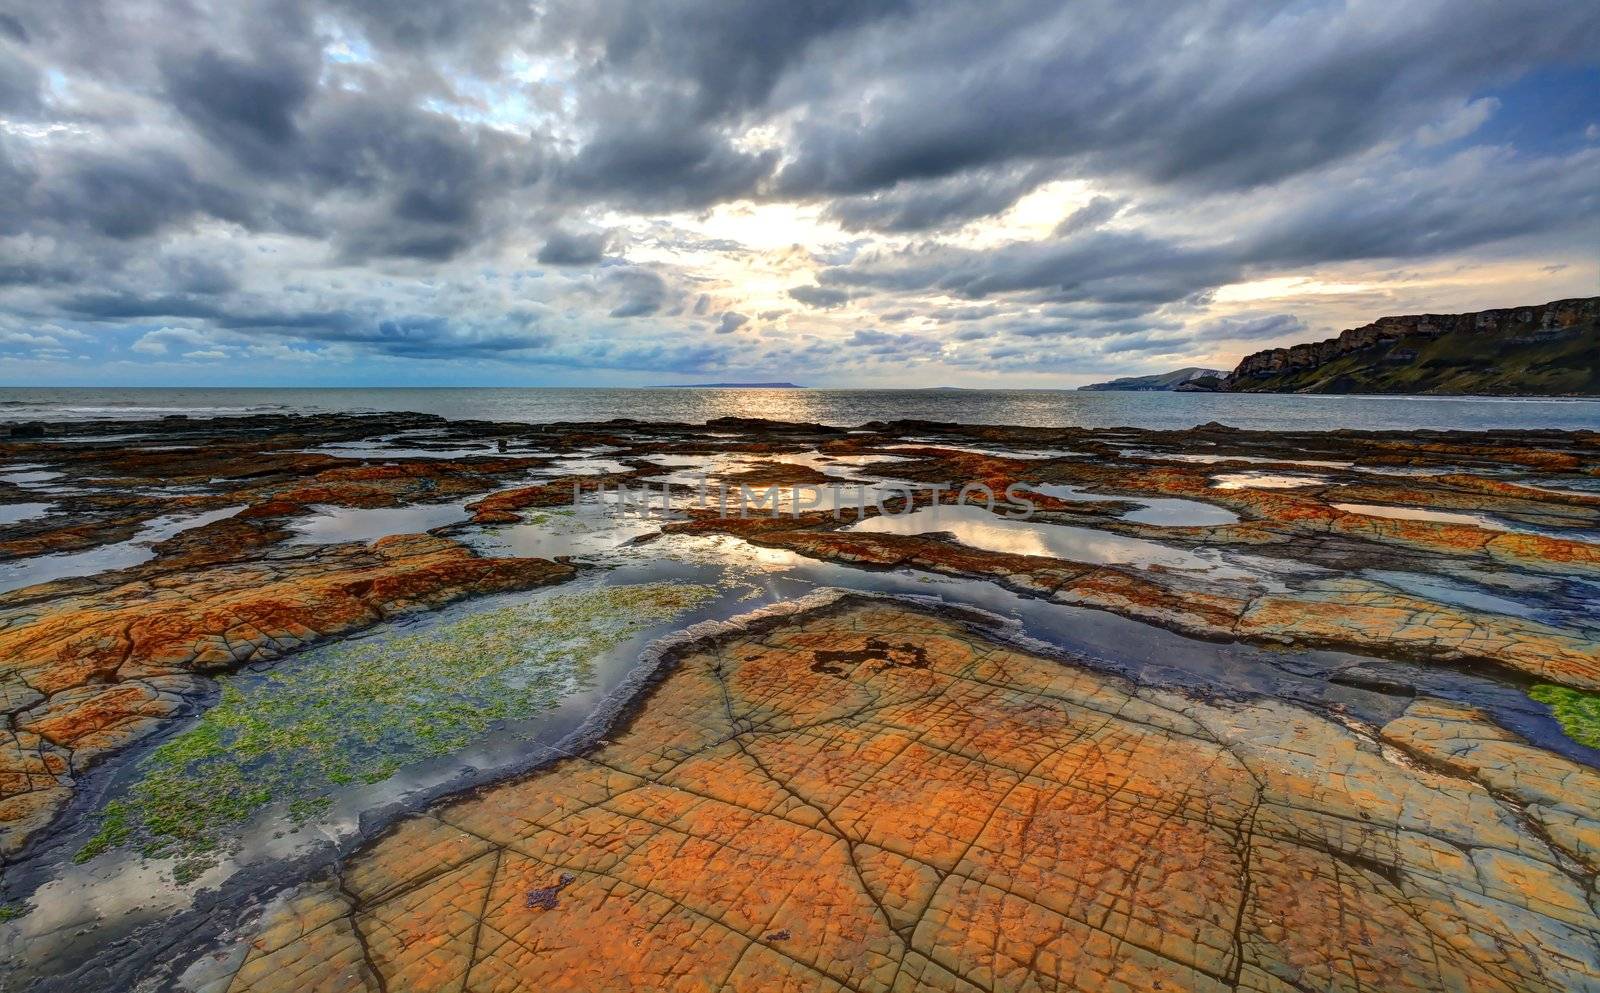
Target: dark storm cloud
1091,215
922,206
129,194
651,165
244,106
573,248
727,55
422,25
1474,199
1201,94
1105,266
639,292
274,141
188,162
19,83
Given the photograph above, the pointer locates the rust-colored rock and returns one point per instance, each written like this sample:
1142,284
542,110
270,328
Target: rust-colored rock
88,673
871,798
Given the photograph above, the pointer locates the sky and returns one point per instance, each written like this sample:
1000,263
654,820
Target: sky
854,193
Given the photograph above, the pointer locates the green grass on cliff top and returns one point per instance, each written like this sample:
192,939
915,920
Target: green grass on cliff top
358,711
1457,363
1578,712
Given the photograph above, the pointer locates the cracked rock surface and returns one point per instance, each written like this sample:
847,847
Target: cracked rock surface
870,797
87,674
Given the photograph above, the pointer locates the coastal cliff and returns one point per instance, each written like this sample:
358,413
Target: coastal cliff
1163,382
1548,350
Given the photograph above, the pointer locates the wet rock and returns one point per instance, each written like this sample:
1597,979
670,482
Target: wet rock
992,820
111,664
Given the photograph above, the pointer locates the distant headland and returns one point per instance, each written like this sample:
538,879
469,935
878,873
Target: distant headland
1539,350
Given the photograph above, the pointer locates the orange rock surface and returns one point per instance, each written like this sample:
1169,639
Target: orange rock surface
1348,613
866,797
84,674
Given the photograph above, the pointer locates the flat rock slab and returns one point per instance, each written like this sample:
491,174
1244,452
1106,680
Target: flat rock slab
870,797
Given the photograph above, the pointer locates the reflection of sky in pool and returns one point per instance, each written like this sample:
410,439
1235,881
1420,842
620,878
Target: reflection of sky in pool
12,513
1484,521
1161,511
330,525
977,527
119,555
1256,479
1208,459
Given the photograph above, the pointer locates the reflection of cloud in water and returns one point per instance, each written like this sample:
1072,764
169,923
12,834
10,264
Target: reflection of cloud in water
589,531
1420,514
837,465
331,525
1161,511
29,477
12,513
120,555
1462,517
364,451
1034,453
979,528
1442,590
1208,459
583,466
1255,479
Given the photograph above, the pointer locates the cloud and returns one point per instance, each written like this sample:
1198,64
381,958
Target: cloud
1252,328
819,296
1091,215
164,340
1012,188
639,292
573,248
1199,95
921,205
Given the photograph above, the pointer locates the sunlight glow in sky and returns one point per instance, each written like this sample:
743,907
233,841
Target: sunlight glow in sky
622,192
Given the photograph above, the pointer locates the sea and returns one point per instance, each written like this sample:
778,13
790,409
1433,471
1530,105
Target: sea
841,408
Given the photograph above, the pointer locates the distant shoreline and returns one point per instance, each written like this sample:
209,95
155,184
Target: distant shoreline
727,386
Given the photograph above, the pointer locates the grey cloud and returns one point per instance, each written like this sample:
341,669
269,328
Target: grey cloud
885,344
573,248
924,205
1200,95
1265,326
19,84
244,106
639,292
731,322
663,166
1091,215
819,296
726,54
131,194
385,202
1105,266
481,25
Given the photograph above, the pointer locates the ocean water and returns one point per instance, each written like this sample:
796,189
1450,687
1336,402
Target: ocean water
844,408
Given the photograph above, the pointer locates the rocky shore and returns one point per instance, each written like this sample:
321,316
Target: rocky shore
873,792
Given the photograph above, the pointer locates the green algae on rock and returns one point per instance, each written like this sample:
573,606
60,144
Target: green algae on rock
359,711
1578,712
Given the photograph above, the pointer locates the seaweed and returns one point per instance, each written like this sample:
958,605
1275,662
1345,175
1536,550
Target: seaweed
1577,711
359,711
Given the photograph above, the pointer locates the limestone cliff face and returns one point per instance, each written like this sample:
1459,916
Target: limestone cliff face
1548,349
